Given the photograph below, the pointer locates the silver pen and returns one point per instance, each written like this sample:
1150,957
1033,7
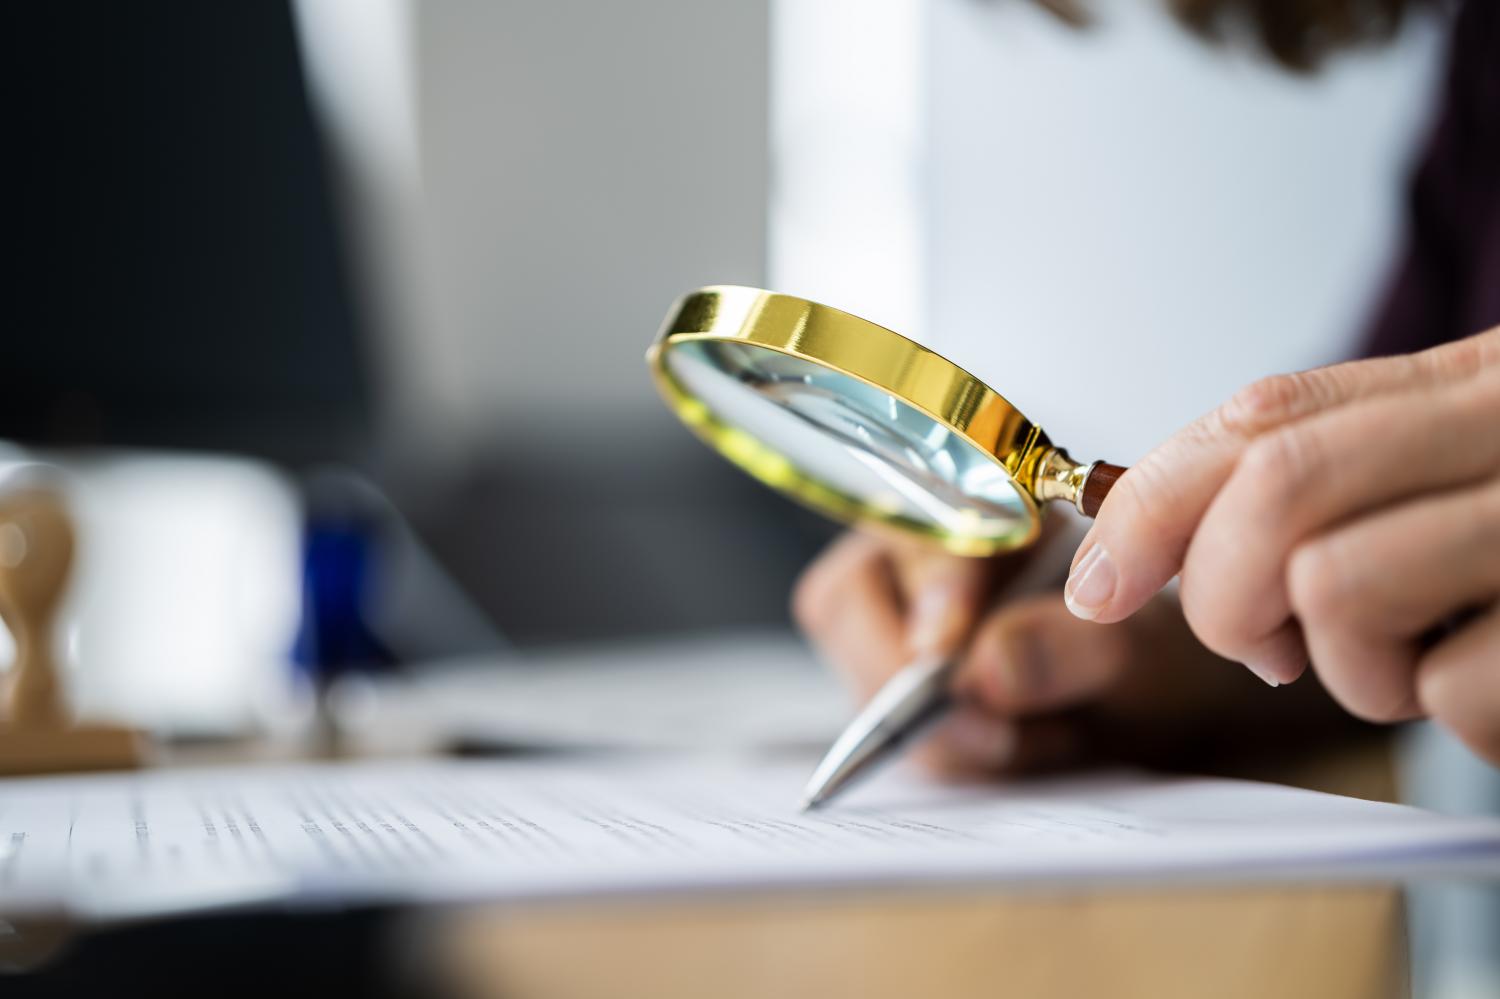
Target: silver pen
916,695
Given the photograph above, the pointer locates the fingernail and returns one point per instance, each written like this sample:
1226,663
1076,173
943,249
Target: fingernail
1264,673
1091,584
931,615
984,741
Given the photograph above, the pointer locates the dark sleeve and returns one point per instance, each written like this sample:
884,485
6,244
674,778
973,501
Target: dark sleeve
1447,283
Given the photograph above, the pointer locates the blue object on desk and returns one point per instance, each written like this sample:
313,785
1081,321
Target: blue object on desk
340,568
372,597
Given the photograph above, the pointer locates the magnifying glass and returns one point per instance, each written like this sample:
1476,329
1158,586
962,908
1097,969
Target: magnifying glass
862,424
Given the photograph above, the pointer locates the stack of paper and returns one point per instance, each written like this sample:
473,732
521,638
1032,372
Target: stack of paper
134,845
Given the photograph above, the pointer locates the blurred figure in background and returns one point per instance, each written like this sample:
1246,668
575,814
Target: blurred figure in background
1233,497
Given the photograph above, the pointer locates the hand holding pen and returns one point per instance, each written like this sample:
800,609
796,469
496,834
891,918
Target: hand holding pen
1034,688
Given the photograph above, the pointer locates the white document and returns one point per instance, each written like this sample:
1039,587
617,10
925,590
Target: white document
176,841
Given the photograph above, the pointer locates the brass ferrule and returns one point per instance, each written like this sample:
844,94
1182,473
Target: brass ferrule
1059,477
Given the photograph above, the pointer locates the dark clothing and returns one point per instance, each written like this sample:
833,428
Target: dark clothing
1447,285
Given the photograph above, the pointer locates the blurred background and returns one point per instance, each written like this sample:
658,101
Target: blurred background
427,243
334,311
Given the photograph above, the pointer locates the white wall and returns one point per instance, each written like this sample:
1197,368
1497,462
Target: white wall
531,184
1119,226
586,163
849,116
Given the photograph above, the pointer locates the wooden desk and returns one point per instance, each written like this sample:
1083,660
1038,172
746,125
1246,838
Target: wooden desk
1326,943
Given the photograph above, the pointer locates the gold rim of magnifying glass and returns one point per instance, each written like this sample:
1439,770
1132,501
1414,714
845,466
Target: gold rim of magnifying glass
880,358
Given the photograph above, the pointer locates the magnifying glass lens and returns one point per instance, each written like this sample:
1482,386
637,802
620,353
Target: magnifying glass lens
868,446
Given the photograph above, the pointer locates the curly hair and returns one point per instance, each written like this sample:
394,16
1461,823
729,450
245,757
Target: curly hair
1296,33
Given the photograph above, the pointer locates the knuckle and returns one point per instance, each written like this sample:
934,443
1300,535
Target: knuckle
1316,584
983,671
1380,691
1378,707
1381,695
1479,406
954,573
1439,695
1201,596
807,600
1205,616
939,759
1281,458
1088,666
812,598
1464,358
1265,403
818,591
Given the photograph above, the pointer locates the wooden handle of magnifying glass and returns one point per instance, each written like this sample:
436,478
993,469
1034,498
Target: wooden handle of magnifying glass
1102,478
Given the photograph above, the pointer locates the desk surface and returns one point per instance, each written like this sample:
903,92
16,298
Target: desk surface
1322,942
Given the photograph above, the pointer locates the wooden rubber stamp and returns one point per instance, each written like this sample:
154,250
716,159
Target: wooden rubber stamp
37,730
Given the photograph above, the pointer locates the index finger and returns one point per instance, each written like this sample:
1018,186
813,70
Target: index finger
1140,537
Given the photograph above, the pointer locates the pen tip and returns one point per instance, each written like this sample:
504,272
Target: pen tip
811,801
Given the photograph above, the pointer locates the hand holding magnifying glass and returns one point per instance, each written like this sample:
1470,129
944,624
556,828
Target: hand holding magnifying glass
868,427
